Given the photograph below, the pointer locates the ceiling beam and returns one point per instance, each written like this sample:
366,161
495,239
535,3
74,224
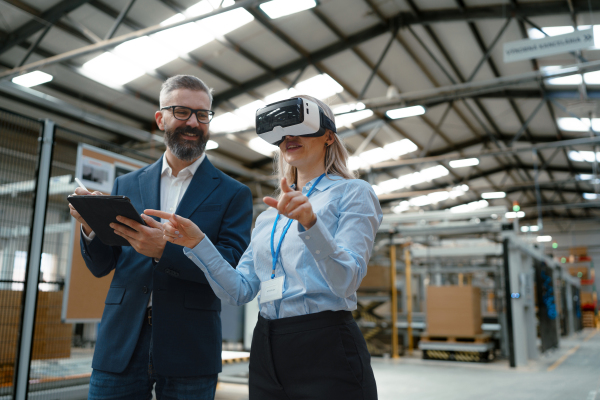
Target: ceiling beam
50,16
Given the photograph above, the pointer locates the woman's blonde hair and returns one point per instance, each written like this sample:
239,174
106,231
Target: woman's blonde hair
336,155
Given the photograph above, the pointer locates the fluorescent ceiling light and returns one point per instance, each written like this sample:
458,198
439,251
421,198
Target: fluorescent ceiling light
262,147
111,70
542,239
524,229
513,215
346,108
415,178
583,156
465,208
493,195
591,196
32,79
534,228
405,112
211,145
467,162
388,152
578,125
431,198
279,8
320,86
350,118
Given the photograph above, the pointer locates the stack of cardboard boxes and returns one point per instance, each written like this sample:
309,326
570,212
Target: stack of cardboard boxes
51,338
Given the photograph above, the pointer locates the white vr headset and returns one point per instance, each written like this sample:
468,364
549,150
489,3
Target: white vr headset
291,117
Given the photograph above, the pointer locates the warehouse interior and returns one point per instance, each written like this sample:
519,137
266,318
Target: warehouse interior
481,146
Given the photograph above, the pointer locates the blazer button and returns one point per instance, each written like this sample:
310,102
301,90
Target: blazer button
145,289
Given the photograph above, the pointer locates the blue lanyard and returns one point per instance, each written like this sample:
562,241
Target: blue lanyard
275,254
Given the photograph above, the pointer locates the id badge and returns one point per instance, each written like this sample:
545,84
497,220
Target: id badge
271,290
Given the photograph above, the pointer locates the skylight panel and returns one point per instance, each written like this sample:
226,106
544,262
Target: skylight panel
211,145
472,206
142,52
281,95
224,23
355,163
280,8
550,31
228,123
591,196
375,155
400,148
432,173
111,70
184,38
32,79
583,156
578,125
320,86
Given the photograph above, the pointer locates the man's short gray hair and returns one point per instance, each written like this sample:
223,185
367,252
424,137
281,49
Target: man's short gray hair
184,82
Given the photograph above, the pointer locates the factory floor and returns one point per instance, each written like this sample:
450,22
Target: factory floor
569,373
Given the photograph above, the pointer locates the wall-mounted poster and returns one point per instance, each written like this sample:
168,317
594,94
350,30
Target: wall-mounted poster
96,174
84,294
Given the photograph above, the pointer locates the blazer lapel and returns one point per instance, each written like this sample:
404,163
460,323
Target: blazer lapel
150,186
204,182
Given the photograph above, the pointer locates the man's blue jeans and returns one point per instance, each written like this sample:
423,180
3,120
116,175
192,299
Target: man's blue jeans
135,383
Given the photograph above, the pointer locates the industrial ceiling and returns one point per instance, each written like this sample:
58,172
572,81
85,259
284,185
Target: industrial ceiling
527,132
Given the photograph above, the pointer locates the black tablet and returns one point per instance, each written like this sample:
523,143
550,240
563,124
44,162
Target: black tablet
100,211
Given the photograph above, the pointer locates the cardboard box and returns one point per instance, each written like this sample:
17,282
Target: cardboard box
578,251
377,277
587,298
574,271
453,311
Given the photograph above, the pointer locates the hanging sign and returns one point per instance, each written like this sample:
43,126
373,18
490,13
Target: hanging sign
535,48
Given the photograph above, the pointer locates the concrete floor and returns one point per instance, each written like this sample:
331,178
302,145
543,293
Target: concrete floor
569,373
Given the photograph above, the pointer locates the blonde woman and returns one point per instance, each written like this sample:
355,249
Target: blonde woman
306,345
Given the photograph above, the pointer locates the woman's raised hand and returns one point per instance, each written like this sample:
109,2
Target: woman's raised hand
178,230
294,205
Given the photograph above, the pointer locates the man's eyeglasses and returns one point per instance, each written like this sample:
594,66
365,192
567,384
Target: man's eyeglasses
183,113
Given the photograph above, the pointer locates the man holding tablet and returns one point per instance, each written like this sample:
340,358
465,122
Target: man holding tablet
161,322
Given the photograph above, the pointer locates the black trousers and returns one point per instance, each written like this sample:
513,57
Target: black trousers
310,357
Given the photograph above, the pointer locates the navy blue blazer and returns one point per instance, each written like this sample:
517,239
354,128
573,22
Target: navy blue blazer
186,323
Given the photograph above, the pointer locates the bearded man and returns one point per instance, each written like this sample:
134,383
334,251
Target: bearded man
161,324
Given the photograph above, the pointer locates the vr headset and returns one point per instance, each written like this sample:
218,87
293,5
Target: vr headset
292,117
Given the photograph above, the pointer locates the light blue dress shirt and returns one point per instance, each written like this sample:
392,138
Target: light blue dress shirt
323,266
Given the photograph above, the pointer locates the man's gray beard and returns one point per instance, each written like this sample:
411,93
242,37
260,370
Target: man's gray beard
183,149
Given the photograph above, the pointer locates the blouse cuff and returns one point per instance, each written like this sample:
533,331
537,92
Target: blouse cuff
318,241
203,254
